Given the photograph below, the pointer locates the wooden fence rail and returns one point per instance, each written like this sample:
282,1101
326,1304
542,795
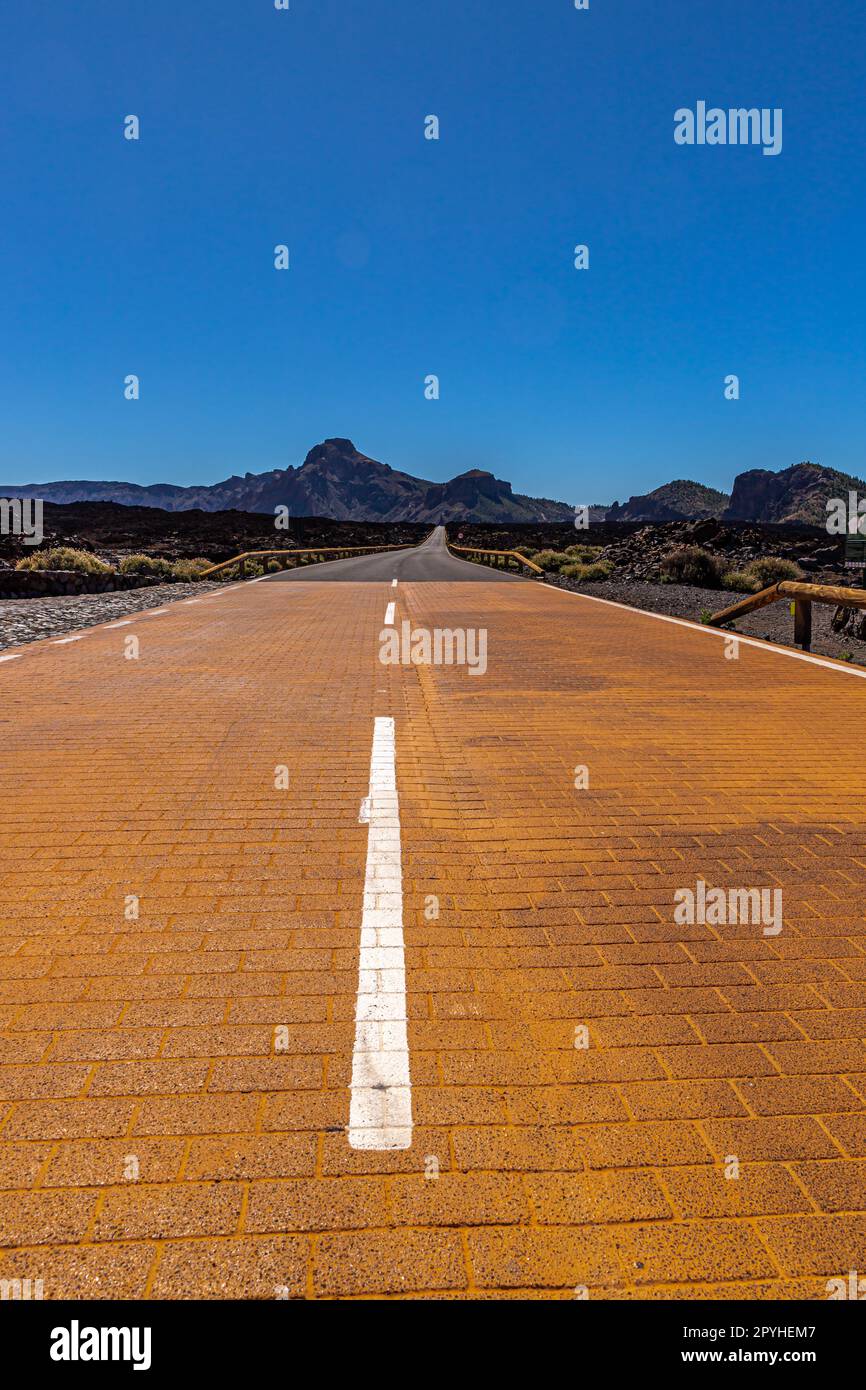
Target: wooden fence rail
306,557
500,558
802,597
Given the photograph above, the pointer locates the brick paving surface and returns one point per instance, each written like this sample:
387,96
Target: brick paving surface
174,1086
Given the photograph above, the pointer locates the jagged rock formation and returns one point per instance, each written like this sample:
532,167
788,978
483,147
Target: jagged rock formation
797,494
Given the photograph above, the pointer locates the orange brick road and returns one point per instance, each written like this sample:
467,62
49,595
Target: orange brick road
153,1140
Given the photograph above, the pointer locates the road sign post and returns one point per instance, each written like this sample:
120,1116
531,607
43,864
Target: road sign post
855,555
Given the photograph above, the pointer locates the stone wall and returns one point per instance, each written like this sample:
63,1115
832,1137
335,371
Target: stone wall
48,583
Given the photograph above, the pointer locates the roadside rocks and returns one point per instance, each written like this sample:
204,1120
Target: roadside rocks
32,619
638,556
851,622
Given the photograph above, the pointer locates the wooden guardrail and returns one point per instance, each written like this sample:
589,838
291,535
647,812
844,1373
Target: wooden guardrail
305,557
502,557
802,596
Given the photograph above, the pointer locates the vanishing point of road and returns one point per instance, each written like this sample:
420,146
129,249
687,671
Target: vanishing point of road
329,977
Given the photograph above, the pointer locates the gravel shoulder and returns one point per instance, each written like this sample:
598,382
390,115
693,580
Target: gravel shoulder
773,623
25,620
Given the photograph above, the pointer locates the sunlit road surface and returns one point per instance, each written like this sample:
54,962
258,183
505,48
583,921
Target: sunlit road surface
322,977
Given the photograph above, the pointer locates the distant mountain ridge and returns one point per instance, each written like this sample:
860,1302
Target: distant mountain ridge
794,496
335,480
681,500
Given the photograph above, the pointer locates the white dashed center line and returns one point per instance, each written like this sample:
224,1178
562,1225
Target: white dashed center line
61,641
380,1113
389,615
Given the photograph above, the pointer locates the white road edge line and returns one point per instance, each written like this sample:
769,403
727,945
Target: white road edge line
380,1112
717,632
13,656
61,641
389,615
125,622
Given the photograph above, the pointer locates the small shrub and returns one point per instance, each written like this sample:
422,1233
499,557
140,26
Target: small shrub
585,554
186,571
64,557
587,574
772,569
601,569
691,565
741,581
274,566
551,559
147,565
253,571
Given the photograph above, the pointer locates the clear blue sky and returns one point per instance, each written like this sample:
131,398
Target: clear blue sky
411,257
